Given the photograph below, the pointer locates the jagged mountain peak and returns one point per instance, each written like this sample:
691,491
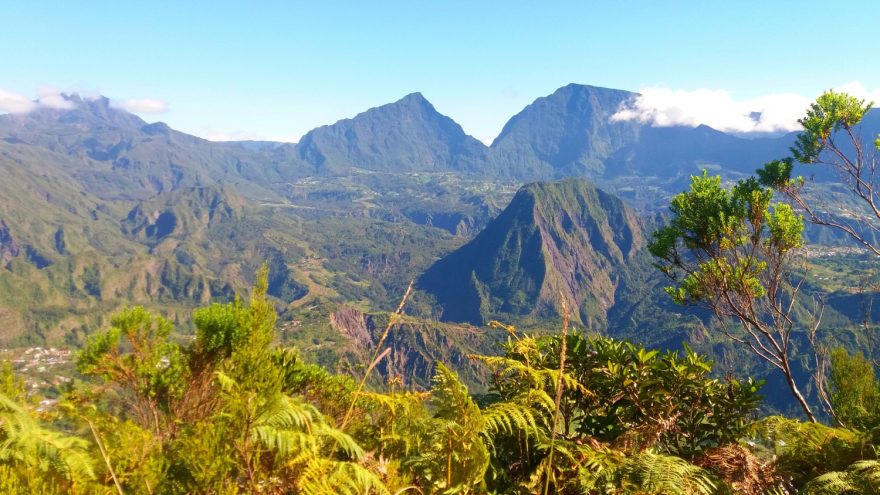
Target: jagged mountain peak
561,240
415,97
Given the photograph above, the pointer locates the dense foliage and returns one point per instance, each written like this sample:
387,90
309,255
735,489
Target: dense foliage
232,412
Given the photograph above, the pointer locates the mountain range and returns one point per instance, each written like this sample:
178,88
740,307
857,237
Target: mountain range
100,209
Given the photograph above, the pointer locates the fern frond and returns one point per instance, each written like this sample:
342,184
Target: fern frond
652,473
24,442
323,476
862,477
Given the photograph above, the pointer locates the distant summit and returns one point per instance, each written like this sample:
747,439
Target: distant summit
569,132
405,136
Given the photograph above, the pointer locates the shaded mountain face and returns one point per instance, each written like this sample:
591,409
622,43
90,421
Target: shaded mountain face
405,136
567,133
561,241
669,152
571,133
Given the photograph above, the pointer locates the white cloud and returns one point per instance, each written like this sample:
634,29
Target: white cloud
664,107
140,105
56,101
859,90
15,103
11,102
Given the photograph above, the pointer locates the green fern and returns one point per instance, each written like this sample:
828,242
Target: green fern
648,473
861,478
27,446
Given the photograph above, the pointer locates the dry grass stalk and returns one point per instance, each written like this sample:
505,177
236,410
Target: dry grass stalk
378,354
559,390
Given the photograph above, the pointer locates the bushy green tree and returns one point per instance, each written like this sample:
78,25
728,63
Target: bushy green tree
136,359
855,393
215,416
730,250
628,413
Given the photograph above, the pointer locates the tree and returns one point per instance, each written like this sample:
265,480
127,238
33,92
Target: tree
730,250
854,390
631,417
831,138
213,416
136,357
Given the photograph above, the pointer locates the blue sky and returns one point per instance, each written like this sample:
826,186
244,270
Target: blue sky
235,69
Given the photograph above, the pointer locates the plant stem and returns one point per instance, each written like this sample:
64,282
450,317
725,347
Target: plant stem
105,456
559,386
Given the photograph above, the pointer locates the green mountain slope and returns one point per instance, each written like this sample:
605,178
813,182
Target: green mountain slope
562,241
68,258
116,155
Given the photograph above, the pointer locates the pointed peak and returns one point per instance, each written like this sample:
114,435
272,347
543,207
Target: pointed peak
413,97
411,104
413,100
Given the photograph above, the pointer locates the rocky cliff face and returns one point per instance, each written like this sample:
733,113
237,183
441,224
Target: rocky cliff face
415,345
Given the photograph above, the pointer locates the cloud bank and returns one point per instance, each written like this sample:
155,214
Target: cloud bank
12,102
15,103
775,113
143,105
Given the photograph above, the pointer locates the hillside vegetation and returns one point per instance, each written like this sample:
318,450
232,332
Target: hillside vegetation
231,412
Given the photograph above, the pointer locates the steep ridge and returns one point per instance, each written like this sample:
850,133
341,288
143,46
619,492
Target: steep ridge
405,136
561,241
